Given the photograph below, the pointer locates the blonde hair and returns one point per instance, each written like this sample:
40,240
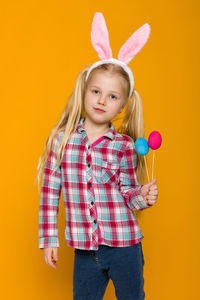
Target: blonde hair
132,122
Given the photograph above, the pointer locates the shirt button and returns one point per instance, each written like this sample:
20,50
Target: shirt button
89,147
92,202
95,221
88,165
90,183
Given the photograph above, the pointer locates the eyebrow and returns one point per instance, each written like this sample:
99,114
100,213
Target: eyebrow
109,91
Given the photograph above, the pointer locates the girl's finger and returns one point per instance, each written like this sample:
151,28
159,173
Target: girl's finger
49,256
55,254
52,263
151,202
153,187
149,198
49,261
154,192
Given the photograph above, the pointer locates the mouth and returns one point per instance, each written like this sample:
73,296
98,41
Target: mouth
98,109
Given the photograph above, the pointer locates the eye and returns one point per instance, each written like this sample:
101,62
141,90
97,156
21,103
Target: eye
94,91
114,97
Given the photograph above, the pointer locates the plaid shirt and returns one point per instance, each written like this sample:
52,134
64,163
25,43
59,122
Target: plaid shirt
100,192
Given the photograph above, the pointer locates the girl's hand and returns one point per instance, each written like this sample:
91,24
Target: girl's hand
51,256
149,192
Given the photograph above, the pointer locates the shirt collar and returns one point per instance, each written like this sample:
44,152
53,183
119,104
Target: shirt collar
110,133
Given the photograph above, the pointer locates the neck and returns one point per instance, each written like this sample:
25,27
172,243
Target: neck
95,128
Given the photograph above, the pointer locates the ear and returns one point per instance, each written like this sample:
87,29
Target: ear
100,37
134,44
122,107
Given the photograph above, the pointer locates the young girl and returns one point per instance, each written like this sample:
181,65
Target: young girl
98,170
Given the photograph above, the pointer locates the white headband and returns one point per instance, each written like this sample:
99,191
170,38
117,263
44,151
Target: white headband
100,42
117,62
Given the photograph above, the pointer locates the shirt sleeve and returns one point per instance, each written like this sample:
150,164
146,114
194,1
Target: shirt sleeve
49,200
128,184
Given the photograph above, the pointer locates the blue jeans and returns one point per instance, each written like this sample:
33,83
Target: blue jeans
93,269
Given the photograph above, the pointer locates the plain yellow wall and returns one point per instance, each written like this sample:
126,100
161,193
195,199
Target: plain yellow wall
44,45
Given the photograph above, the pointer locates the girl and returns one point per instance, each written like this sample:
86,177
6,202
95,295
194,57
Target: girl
98,170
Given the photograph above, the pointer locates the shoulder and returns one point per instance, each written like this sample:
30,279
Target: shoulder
125,140
59,135
57,139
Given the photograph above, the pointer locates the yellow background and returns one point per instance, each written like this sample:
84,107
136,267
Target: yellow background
44,45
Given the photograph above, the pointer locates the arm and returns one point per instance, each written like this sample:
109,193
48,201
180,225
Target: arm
49,200
128,184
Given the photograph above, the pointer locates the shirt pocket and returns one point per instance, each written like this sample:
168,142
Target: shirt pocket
109,172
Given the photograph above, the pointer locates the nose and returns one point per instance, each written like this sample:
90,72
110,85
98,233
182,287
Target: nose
102,100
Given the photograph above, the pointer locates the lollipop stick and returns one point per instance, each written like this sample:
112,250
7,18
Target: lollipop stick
153,164
146,167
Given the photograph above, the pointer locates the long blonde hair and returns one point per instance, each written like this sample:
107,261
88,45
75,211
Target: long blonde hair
132,122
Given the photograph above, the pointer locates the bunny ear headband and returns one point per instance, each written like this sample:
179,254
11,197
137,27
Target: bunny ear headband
100,42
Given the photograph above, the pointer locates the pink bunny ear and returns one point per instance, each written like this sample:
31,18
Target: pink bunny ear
134,44
100,37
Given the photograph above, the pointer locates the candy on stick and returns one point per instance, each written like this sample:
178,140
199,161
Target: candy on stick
154,142
142,148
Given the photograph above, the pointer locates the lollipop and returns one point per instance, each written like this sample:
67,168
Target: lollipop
154,142
142,148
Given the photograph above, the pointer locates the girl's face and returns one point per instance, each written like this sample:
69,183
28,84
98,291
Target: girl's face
105,91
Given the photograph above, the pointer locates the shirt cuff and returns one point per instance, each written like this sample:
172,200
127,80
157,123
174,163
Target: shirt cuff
46,242
135,200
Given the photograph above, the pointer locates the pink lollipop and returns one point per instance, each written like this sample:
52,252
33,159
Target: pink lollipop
154,142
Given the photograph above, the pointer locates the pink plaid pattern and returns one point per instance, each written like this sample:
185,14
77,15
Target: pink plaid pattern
100,192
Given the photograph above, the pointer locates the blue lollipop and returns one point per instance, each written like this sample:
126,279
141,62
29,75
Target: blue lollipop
142,148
